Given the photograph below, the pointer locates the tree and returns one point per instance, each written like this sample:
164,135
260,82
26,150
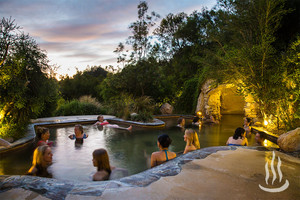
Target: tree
23,80
166,33
8,37
141,79
140,30
248,55
83,83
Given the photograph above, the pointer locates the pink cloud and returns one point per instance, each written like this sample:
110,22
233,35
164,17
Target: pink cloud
72,32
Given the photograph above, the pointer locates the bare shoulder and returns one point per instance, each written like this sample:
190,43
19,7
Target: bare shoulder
156,153
100,175
173,154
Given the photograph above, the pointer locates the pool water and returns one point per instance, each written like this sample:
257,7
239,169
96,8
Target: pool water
128,150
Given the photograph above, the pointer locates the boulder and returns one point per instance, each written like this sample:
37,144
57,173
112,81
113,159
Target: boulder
290,141
166,109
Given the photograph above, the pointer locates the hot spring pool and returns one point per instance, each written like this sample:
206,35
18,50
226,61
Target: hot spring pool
128,150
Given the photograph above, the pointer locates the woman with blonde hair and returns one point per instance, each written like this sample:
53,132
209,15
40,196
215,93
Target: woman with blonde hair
42,159
192,141
101,161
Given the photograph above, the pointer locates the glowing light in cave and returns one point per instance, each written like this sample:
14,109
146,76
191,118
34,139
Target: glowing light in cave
199,114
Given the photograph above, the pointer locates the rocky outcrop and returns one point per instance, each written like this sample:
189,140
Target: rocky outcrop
290,141
166,109
216,100
251,108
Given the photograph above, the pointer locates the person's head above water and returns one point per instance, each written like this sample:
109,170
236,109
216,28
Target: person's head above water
100,118
78,129
164,141
42,133
239,133
181,121
259,138
42,156
191,137
101,160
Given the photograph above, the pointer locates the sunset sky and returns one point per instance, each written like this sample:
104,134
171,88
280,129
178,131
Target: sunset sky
77,33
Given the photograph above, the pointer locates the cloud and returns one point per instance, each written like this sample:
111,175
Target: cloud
71,32
80,33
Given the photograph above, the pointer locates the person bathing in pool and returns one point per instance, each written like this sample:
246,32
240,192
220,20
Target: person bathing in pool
78,130
42,159
192,141
43,135
238,139
102,122
104,170
159,157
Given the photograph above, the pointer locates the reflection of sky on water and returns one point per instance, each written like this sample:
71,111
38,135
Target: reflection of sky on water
71,161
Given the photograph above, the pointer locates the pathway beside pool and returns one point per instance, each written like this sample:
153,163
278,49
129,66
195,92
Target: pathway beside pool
229,174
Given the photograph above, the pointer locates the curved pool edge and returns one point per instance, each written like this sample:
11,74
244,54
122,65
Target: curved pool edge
59,189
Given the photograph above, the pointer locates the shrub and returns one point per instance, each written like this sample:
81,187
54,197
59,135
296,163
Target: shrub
124,105
142,117
185,102
89,99
121,106
75,107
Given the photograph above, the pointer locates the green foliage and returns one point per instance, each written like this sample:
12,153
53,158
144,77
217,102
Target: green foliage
25,90
83,83
139,39
143,104
243,42
76,107
50,95
185,103
142,117
124,105
141,79
247,54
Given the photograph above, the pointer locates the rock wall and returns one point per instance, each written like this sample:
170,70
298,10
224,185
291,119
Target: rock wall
215,100
290,141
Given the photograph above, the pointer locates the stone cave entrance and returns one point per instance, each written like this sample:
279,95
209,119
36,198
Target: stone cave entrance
230,102
217,100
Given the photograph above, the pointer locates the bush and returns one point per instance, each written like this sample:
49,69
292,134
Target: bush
142,117
124,105
75,107
185,102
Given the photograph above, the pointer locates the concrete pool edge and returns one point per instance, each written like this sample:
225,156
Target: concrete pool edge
58,189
